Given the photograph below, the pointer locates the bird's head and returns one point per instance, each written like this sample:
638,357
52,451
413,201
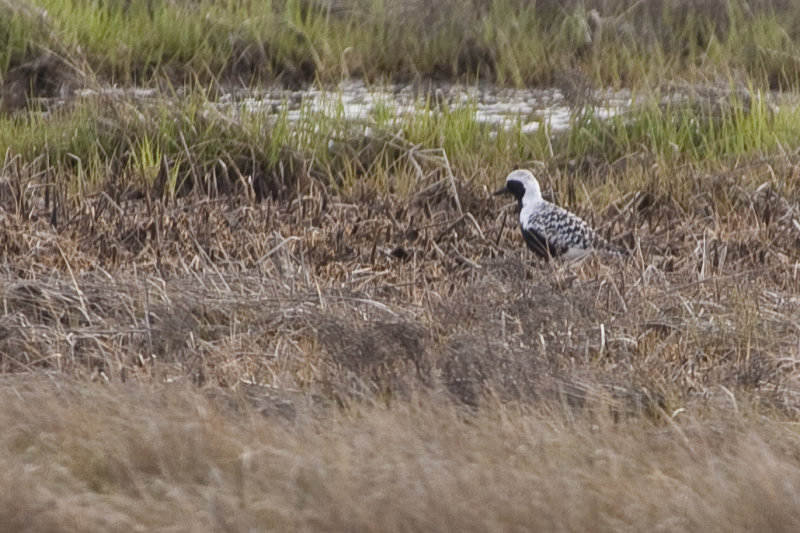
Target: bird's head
523,185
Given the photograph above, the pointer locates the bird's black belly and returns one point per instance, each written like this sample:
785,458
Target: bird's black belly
541,246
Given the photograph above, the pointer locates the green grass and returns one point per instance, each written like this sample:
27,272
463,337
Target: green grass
694,129
170,145
506,41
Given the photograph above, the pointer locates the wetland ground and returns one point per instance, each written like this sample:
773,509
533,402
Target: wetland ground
241,295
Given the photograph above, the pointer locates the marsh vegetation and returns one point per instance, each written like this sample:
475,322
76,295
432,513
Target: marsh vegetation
228,312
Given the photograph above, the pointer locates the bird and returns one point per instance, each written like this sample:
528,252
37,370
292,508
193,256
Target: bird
549,230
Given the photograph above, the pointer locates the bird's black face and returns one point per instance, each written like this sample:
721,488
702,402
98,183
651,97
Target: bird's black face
513,187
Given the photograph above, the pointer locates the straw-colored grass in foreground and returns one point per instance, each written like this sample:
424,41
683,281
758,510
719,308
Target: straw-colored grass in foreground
80,457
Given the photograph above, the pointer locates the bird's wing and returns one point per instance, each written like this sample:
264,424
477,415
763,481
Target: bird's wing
561,229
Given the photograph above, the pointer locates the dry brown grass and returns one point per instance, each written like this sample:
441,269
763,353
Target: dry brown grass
86,457
381,363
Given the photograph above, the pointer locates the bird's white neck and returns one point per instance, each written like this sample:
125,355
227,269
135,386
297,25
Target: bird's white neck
533,195
530,203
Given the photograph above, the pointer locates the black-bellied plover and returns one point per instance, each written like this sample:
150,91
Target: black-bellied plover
550,230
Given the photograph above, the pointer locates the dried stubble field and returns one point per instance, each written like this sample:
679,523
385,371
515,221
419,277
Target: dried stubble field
390,363
217,326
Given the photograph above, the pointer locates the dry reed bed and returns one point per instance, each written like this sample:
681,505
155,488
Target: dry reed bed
365,294
384,363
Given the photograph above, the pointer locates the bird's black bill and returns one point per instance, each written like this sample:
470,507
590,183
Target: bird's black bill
504,190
